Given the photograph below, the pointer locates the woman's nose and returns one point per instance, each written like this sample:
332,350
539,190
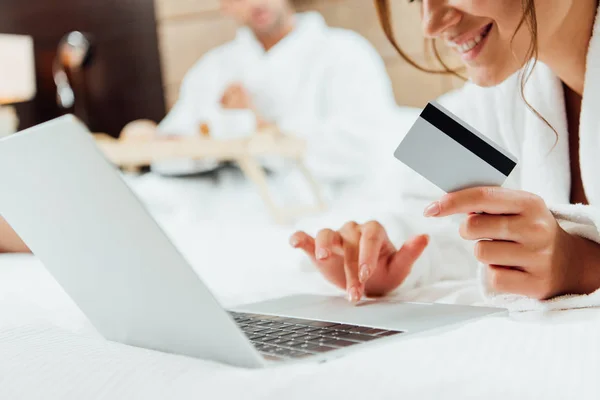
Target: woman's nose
437,16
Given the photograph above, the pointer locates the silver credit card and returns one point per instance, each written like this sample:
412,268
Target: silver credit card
451,154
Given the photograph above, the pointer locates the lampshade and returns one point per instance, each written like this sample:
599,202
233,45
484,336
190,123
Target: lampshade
17,69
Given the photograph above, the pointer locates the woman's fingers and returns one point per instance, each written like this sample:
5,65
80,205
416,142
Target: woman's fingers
509,254
330,257
332,265
351,234
338,255
508,280
372,238
402,261
489,200
327,244
497,227
409,252
305,242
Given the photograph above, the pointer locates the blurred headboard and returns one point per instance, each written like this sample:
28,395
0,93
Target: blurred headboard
189,28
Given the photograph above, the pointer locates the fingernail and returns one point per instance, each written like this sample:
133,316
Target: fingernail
322,254
294,242
363,274
432,210
353,295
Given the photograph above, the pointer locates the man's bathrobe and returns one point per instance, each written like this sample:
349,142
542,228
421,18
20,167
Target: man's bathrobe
326,85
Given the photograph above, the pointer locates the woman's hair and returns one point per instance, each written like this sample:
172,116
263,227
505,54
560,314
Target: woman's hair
528,19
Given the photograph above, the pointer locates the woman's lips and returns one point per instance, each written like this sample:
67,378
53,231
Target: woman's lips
469,47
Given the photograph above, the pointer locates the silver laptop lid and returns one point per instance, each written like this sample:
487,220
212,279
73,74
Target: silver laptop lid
78,216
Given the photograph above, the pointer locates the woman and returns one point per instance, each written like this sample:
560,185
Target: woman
543,224
9,241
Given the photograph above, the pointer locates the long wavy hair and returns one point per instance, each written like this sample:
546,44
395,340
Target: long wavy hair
528,20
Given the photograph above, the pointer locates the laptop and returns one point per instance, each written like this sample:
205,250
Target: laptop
76,213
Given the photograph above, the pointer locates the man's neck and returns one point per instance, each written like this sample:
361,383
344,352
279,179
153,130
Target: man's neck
566,52
270,39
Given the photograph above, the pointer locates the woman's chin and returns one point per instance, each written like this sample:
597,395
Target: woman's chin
486,77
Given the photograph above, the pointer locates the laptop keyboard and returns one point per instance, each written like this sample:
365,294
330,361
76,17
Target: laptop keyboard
281,338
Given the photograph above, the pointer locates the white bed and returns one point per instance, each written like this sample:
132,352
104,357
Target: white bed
48,350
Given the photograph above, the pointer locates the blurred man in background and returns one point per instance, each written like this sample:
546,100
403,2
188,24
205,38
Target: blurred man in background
326,85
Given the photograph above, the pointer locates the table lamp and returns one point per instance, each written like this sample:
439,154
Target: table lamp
17,78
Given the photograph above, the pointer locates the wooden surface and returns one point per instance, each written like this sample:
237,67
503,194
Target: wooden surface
131,153
143,151
183,42
189,28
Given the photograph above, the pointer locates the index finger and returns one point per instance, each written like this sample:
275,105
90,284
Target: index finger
351,240
488,200
371,241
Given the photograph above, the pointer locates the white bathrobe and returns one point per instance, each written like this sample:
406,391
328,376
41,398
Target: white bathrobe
326,85
543,169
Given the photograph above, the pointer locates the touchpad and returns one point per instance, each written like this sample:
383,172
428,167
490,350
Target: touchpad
381,313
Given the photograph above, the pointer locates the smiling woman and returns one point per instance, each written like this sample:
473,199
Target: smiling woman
539,237
469,45
517,45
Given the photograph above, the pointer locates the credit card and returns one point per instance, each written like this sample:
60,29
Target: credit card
452,154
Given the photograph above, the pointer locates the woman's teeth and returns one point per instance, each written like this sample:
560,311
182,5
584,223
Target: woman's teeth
468,45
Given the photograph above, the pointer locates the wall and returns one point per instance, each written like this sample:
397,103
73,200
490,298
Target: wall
123,81
186,30
189,28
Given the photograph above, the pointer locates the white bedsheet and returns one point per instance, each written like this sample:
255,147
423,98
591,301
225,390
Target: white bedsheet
48,349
